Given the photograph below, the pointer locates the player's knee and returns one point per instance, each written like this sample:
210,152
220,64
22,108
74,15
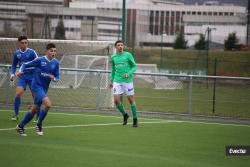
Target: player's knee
19,92
48,105
131,99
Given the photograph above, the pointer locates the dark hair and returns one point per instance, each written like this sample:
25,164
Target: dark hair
118,41
50,45
22,38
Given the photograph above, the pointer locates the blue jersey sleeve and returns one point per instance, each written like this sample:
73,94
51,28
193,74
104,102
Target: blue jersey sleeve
57,73
34,54
14,64
32,63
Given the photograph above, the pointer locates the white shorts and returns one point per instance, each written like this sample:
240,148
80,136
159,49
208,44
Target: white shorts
123,87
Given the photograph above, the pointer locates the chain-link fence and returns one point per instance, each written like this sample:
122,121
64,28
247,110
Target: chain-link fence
155,93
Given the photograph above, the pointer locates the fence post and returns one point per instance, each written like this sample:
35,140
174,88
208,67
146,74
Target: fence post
214,87
98,92
190,95
7,88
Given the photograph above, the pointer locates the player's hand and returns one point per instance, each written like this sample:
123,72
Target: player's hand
111,85
52,77
19,74
12,78
126,75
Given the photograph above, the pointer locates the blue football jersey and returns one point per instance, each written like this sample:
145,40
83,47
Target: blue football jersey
20,57
43,69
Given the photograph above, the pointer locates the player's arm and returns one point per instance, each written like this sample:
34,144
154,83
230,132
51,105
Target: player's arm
56,76
133,66
32,63
112,73
13,67
34,54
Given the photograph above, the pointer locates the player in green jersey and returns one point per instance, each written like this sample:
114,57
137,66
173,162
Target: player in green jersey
123,67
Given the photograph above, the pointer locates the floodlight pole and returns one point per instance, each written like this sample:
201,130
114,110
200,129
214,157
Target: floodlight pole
248,25
123,19
123,26
208,31
161,58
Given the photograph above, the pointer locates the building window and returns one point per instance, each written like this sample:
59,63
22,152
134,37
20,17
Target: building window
167,14
151,22
156,22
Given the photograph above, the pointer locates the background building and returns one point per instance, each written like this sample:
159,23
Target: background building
148,22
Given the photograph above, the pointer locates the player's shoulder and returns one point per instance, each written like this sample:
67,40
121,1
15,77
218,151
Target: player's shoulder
42,58
113,55
17,51
31,50
127,53
56,61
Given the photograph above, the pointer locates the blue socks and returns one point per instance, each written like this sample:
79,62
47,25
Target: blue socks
17,103
38,113
42,115
28,116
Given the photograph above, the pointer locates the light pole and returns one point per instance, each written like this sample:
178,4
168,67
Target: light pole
123,20
208,33
161,58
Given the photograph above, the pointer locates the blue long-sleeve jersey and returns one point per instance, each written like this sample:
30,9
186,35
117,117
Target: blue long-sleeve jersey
43,69
20,57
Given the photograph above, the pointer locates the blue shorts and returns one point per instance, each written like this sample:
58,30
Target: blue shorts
25,80
40,93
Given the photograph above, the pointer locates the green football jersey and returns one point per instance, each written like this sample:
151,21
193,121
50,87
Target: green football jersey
121,64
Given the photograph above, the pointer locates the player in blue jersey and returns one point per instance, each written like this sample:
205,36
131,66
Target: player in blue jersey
46,70
22,55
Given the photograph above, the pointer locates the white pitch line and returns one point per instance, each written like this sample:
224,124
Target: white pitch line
182,121
86,125
92,115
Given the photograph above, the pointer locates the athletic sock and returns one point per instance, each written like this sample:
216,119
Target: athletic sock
38,113
133,109
28,116
120,107
17,103
41,117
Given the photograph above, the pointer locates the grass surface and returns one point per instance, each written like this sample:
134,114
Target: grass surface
229,63
77,139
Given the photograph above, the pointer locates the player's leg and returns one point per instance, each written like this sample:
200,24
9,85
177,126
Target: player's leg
21,86
117,91
43,113
27,118
129,87
133,109
38,110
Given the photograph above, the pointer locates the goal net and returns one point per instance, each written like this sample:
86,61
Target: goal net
76,79
158,82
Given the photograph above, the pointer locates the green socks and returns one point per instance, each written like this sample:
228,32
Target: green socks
121,108
133,109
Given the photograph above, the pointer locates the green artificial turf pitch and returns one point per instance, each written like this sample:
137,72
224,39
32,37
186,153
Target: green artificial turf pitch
94,140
